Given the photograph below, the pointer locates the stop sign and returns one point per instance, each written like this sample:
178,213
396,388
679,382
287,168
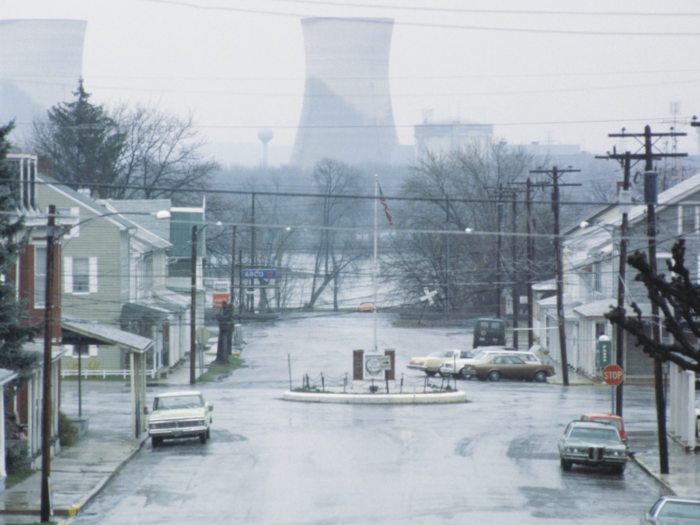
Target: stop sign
613,375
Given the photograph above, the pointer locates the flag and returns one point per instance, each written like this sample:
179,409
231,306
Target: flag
386,208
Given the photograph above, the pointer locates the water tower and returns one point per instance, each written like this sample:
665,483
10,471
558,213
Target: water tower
265,136
347,112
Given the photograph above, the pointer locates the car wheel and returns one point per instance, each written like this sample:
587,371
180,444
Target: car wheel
494,375
618,469
203,438
156,441
540,376
463,374
565,465
431,374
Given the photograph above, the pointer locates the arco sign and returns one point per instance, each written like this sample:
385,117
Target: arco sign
613,375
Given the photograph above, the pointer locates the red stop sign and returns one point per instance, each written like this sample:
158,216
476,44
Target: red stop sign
613,375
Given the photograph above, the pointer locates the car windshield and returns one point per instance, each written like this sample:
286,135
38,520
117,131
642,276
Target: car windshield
613,422
172,402
595,434
451,353
435,354
680,509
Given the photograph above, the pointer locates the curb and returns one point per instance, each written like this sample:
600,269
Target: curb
651,473
376,399
75,508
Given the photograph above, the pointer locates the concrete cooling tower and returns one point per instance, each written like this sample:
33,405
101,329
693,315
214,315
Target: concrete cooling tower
41,62
347,111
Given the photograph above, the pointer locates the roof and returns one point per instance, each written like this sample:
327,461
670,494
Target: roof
107,334
601,307
144,211
6,376
142,236
96,208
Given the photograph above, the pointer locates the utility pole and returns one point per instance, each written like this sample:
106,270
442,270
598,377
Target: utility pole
530,274
561,321
650,197
499,214
447,256
48,354
624,203
514,286
193,307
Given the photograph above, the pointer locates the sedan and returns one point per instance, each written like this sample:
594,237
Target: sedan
508,366
593,444
674,510
430,364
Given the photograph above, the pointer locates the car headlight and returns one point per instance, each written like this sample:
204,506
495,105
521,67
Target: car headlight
614,453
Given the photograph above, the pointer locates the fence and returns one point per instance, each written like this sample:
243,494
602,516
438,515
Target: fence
125,373
345,385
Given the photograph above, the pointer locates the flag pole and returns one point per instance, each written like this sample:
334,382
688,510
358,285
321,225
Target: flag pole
374,271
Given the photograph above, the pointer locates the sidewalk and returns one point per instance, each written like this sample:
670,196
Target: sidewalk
683,465
79,473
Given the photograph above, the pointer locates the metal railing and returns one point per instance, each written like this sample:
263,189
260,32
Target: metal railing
404,385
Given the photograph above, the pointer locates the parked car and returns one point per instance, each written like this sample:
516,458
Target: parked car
611,419
593,444
179,415
430,364
488,332
673,510
366,307
456,367
521,365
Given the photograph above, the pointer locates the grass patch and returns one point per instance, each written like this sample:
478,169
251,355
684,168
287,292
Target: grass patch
18,476
217,371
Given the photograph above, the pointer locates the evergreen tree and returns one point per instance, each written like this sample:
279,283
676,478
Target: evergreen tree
12,335
83,143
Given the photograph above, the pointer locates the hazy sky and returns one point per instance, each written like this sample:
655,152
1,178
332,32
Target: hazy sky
547,71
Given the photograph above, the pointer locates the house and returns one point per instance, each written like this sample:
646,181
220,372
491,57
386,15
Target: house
114,275
24,405
591,276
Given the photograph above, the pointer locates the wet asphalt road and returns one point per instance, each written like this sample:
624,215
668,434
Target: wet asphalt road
492,460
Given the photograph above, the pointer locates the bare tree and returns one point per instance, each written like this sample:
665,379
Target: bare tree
162,155
451,193
679,303
336,250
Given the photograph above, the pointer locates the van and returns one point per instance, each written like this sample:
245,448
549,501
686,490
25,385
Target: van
489,332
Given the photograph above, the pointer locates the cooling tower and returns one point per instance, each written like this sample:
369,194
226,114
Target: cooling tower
347,111
41,62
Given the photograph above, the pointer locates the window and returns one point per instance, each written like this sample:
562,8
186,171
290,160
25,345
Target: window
39,276
80,275
686,219
84,351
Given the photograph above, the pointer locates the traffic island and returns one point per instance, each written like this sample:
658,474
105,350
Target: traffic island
412,398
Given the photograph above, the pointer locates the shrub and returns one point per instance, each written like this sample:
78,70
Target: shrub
67,430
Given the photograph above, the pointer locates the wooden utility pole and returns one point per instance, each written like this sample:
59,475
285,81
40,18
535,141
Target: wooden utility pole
555,173
48,354
193,306
650,197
